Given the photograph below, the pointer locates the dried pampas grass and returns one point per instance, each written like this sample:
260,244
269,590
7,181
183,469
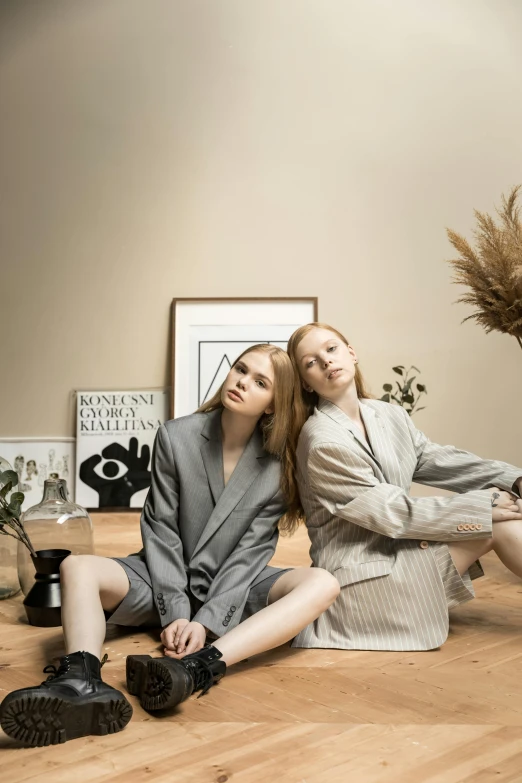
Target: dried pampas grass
493,270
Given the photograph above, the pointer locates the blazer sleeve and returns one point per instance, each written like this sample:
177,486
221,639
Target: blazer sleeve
160,534
344,483
229,589
447,467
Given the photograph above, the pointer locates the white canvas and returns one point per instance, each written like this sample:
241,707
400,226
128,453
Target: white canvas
36,459
210,336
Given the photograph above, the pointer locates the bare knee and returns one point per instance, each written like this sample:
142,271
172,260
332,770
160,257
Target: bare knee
70,565
77,567
327,586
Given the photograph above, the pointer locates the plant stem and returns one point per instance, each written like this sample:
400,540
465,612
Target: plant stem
21,535
518,340
11,535
416,402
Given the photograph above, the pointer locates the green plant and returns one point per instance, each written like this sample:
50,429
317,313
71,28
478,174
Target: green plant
10,512
405,394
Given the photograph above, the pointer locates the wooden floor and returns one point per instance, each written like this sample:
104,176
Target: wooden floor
452,715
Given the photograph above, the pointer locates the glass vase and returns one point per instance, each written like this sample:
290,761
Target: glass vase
54,523
8,576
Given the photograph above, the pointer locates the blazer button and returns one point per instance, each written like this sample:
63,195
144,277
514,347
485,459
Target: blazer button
460,528
163,611
478,527
424,545
232,608
226,622
467,527
160,595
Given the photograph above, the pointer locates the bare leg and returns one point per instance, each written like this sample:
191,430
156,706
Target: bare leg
297,598
506,542
464,553
89,584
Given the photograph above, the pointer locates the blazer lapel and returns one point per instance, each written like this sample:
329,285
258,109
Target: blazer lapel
335,413
246,471
382,442
212,453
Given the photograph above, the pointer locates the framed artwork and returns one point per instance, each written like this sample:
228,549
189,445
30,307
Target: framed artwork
37,459
209,334
115,432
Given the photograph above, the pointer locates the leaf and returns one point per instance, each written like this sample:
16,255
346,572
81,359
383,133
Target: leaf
9,475
409,398
421,387
15,507
6,489
387,387
18,497
421,409
415,368
407,385
398,370
385,398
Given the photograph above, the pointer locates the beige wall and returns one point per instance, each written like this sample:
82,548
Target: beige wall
160,148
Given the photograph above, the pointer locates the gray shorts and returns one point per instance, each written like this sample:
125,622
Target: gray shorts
139,610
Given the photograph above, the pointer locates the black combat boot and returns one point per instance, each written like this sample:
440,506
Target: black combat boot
73,702
161,683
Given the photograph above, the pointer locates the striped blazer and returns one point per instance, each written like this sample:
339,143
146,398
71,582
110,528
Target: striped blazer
389,550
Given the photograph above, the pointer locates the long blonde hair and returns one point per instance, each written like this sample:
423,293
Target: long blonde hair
305,401
275,427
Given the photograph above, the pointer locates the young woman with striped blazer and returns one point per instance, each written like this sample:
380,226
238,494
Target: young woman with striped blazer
402,562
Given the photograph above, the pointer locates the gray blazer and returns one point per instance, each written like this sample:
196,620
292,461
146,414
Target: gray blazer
201,538
388,549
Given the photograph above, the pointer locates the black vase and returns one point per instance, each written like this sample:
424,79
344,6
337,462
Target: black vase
43,601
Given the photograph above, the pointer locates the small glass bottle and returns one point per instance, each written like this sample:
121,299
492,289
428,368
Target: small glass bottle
8,577
54,523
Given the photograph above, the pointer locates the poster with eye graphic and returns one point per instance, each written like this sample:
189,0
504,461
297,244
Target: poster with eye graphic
115,433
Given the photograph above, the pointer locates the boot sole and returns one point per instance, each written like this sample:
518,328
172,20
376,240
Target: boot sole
158,683
49,720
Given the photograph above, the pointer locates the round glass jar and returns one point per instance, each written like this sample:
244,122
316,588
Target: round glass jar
54,523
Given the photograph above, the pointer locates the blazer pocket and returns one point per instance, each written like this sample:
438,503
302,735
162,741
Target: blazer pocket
358,572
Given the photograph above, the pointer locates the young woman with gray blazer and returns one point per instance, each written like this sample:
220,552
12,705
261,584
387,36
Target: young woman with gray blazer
221,484
401,562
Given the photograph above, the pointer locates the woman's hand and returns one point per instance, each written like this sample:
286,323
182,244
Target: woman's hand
504,506
191,639
171,634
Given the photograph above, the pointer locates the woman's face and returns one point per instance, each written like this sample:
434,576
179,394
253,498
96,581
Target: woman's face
326,364
249,386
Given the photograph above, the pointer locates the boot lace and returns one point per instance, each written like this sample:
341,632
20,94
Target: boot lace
202,675
54,672
63,668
